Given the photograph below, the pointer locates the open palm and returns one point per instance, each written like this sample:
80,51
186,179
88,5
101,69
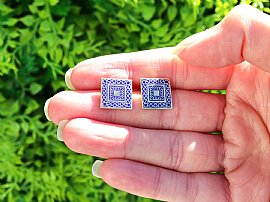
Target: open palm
167,154
246,134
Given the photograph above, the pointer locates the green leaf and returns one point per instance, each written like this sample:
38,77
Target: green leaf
144,37
58,85
148,12
9,108
42,53
62,8
33,8
172,12
53,2
45,26
187,16
28,20
31,106
10,22
25,127
14,129
35,88
14,34
133,28
2,98
162,31
58,55
25,36
4,10
156,23
61,23
44,14
100,17
12,44
266,10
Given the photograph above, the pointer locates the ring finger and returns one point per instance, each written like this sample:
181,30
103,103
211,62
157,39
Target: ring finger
181,151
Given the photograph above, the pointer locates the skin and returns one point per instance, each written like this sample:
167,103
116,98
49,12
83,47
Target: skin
167,154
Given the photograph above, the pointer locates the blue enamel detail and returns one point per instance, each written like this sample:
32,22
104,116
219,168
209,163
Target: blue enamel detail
156,93
116,93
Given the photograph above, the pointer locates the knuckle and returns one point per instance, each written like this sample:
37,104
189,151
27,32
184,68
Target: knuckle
176,152
191,188
242,11
240,8
243,16
157,183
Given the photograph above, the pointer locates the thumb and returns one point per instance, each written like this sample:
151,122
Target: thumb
244,34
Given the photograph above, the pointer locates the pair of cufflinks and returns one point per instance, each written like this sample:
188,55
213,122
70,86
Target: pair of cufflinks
117,93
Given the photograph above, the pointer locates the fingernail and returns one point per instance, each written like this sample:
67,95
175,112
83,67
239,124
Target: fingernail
46,106
60,129
67,79
96,168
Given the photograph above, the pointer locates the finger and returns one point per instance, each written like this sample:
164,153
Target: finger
181,151
152,63
162,184
191,111
242,35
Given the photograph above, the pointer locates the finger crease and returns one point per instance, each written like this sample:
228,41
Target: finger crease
157,183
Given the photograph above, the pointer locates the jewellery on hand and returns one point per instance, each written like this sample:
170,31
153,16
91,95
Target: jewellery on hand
156,93
116,93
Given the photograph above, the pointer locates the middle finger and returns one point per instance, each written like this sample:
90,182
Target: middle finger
192,111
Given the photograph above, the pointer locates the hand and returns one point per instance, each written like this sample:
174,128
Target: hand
167,154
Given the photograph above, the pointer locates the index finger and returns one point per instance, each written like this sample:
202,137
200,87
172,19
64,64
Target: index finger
156,63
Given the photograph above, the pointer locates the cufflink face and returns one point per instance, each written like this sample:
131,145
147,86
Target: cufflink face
156,93
116,93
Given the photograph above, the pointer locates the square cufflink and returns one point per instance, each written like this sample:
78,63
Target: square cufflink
116,93
156,93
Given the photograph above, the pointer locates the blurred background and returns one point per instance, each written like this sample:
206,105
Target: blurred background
39,41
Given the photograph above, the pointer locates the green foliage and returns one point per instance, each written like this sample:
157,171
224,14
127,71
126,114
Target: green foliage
39,41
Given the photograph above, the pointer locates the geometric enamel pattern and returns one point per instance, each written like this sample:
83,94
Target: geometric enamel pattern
116,93
156,93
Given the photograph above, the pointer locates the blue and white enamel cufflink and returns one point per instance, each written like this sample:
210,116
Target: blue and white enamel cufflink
116,93
156,93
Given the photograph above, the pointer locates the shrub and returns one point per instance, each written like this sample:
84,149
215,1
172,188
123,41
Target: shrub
39,41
